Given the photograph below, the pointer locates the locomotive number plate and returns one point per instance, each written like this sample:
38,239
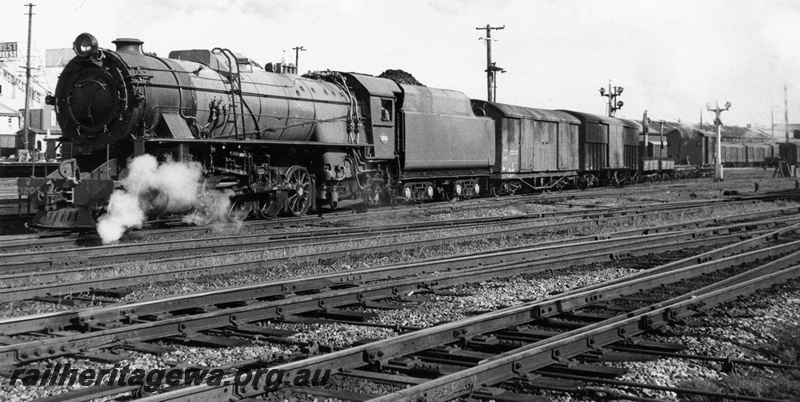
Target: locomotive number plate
29,185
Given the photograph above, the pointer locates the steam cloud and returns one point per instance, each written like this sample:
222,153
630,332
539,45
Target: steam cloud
152,188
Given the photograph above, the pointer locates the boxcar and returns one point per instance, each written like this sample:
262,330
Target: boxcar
733,154
693,148
758,154
531,142
630,143
599,144
790,152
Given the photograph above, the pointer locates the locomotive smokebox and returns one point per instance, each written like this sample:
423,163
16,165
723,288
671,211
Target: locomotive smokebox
128,45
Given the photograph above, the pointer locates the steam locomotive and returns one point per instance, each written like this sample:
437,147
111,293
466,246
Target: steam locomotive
282,143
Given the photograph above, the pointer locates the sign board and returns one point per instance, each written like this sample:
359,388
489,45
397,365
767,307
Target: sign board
8,49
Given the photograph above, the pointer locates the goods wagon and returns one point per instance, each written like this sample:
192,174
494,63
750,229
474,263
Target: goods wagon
535,149
790,152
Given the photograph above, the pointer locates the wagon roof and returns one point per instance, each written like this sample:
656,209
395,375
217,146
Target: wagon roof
632,124
529,113
593,118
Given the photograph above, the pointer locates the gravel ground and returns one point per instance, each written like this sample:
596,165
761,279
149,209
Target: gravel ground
746,329
490,295
536,235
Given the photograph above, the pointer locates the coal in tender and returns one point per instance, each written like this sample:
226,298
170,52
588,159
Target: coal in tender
401,77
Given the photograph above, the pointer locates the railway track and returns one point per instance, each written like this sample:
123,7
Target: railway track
472,357
58,251
467,356
177,229
54,284
52,251
310,292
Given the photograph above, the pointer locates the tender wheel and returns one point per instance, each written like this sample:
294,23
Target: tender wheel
300,190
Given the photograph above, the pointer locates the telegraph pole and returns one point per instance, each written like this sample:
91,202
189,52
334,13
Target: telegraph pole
613,103
28,77
786,112
718,123
297,51
491,68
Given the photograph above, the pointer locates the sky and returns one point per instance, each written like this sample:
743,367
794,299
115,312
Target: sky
671,56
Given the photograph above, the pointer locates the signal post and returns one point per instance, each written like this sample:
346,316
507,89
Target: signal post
718,176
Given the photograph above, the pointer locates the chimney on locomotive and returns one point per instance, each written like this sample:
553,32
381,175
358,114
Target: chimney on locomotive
128,45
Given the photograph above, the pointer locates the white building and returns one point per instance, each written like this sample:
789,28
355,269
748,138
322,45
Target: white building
12,96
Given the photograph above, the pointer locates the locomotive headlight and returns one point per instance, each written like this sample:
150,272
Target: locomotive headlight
85,44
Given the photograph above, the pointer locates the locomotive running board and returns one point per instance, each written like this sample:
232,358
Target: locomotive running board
255,142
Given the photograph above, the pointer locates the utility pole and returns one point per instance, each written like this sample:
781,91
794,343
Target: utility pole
28,77
297,57
701,120
786,112
491,68
718,123
613,103
772,126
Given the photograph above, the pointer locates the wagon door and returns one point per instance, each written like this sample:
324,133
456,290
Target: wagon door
568,147
510,144
595,151
545,146
615,146
527,145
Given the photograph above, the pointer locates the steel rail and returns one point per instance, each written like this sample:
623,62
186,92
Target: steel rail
17,242
378,356
537,355
589,249
592,337
10,279
33,281
677,390
276,288
186,325
60,257
29,290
